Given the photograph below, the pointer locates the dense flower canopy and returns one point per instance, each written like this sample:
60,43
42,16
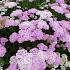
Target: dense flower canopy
35,35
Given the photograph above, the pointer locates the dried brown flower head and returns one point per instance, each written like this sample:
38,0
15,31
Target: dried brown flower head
2,22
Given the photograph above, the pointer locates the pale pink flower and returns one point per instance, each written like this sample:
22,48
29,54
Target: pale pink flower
10,4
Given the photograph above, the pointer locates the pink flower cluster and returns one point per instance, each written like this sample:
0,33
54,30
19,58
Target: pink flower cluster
29,31
61,29
35,59
26,15
2,48
32,31
61,7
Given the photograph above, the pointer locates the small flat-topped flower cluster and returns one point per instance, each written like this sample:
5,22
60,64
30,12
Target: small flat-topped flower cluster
37,25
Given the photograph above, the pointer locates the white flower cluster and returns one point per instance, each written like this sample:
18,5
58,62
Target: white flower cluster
65,62
12,60
67,15
68,50
10,4
44,14
2,8
1,68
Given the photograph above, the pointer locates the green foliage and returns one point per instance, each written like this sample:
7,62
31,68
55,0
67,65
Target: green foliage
7,31
52,1
35,4
9,10
11,50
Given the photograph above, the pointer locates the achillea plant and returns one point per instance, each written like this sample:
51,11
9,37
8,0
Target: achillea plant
35,35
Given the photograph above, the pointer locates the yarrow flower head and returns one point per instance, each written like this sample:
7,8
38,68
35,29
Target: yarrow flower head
60,1
16,13
13,37
35,59
2,50
10,22
52,58
29,62
41,46
12,67
10,4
